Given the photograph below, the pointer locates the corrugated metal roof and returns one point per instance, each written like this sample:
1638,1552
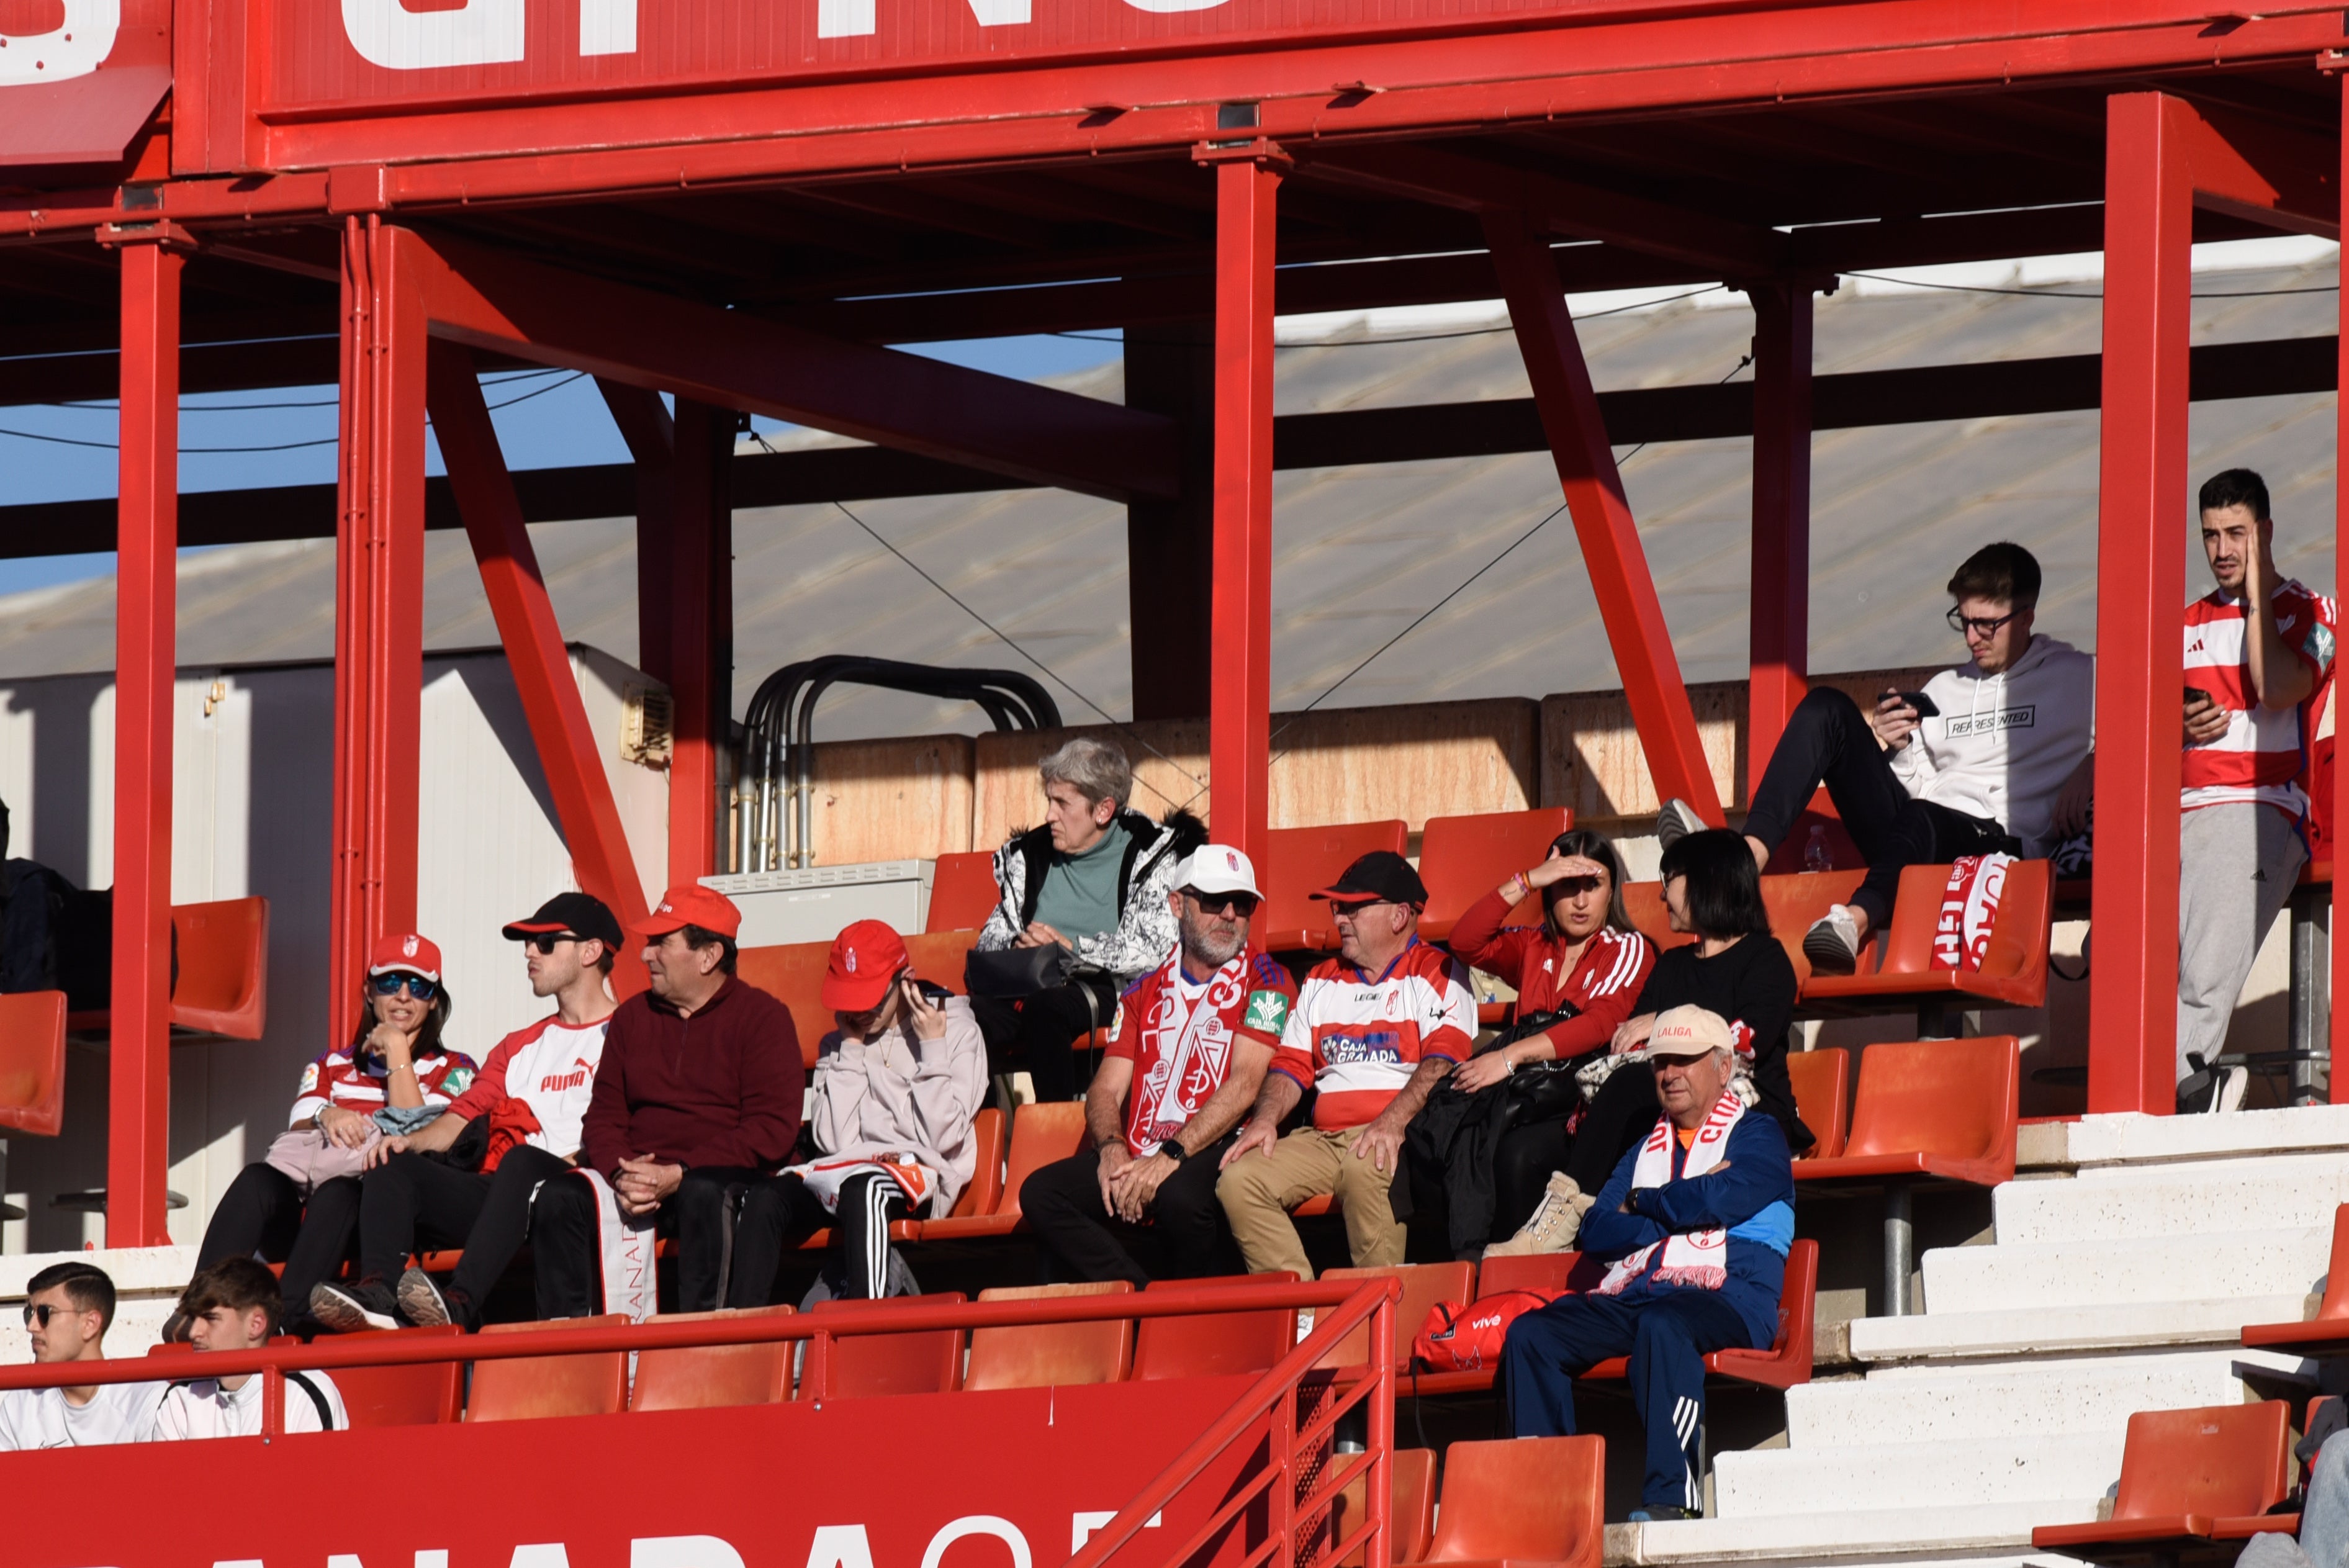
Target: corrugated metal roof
1360,552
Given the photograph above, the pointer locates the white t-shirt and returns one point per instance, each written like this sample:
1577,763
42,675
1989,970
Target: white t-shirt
550,1067
202,1408
46,1419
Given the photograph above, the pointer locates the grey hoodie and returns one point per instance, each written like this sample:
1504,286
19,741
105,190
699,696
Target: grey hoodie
905,1096
2003,745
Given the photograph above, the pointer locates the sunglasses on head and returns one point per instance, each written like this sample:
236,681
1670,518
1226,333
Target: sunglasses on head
420,988
543,941
1240,903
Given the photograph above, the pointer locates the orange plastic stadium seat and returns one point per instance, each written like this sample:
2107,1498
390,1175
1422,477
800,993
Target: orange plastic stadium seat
1423,1285
1411,1513
1522,1501
1214,1344
528,1388
1796,903
1788,1360
1041,1134
792,973
938,956
1462,858
1300,860
223,985
703,1376
33,1062
1823,1095
2013,970
2189,1475
1930,1108
927,1361
421,1394
2331,1324
962,892
1052,1355
979,1197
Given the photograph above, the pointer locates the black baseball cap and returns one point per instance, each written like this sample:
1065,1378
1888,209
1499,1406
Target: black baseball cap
579,914
1381,876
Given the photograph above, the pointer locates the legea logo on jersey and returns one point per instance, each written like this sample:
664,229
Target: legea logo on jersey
73,50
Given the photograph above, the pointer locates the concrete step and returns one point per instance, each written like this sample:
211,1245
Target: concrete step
2209,1198
2017,1333
1982,1535
2004,1400
2134,1138
2129,1269
1761,1481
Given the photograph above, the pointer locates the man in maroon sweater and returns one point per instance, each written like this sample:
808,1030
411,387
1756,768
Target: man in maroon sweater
699,1091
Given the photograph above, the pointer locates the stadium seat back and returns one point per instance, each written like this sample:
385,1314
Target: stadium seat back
1823,1097
223,951
1214,1344
1462,858
33,1062
939,957
422,1394
984,1190
1643,903
792,973
2336,1271
1042,1134
1299,860
1542,1271
1954,1098
1411,1515
1797,903
928,1361
2222,1461
962,892
1050,1355
2018,935
1423,1285
529,1387
704,1376
1530,1499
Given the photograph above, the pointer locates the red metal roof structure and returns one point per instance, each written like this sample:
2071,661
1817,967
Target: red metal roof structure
745,205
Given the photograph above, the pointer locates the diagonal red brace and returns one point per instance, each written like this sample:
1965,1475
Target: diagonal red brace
533,645
1620,579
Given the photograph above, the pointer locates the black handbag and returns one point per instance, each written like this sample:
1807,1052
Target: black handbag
1012,973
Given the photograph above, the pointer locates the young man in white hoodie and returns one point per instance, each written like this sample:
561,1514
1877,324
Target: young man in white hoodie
2000,763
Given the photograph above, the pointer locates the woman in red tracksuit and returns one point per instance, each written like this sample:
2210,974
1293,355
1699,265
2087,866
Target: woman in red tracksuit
1584,959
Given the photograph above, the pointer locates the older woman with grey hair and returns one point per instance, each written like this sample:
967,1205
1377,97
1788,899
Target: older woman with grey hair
1093,878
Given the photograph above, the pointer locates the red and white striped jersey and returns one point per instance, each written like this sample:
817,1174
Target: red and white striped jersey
549,1066
2263,750
337,1079
1178,1034
1358,1039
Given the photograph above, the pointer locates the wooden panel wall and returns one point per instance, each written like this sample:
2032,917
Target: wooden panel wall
891,800
1170,769
1413,761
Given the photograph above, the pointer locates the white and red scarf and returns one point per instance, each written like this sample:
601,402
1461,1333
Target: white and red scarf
824,1178
1699,1258
624,1249
1969,910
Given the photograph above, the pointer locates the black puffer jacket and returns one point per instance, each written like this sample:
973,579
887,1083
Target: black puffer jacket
1145,930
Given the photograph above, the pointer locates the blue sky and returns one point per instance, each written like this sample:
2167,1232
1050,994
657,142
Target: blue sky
544,419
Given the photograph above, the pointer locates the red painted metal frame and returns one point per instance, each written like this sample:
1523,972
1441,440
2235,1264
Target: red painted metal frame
2339,1042
1240,674
566,747
379,603
1611,552
1779,620
137,1153
699,576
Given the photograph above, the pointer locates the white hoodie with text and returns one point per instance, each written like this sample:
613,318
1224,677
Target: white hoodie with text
2003,745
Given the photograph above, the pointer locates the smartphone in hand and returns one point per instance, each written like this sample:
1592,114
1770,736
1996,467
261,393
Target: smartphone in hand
1925,705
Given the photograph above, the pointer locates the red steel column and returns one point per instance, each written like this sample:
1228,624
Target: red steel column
1239,715
1602,515
378,603
2339,1066
702,631
2141,592
137,1151
1779,630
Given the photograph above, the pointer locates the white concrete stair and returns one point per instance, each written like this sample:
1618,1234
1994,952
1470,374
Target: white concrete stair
2006,1400
2127,1268
2065,1465
2204,1198
1982,1535
2023,1332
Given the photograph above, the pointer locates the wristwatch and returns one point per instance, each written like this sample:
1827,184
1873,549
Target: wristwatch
1175,1151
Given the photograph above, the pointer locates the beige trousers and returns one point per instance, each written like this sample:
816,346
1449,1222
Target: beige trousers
1257,1191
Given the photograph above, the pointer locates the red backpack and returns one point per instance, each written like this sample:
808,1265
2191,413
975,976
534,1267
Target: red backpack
1465,1336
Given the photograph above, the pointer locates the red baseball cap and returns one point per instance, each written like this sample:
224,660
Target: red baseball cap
866,958
691,903
407,953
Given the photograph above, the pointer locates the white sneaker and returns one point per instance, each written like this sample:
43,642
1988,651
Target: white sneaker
1832,944
2232,1084
1676,822
1556,1220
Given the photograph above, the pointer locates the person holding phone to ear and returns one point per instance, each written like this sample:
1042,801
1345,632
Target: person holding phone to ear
1993,756
897,1086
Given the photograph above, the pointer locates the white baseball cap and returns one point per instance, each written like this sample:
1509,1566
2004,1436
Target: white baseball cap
1218,868
1689,1030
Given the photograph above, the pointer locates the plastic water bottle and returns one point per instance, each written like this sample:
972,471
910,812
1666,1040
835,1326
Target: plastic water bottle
1816,855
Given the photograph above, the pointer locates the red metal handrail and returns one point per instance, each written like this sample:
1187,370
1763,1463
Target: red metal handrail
1274,1396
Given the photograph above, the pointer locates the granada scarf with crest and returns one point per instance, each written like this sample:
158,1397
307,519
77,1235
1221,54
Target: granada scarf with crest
1968,909
1698,1258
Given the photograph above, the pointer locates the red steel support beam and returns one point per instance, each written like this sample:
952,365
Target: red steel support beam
700,616
1239,713
645,424
1620,579
2339,1066
566,745
1779,628
2141,592
379,603
138,1146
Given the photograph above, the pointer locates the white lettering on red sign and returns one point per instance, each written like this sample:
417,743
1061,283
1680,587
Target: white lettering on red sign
85,37
479,33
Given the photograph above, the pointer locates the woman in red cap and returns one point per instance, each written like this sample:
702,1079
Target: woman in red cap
301,1202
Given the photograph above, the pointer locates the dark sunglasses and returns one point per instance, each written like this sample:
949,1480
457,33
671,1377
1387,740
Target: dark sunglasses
420,988
1240,903
40,1314
1981,626
543,941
